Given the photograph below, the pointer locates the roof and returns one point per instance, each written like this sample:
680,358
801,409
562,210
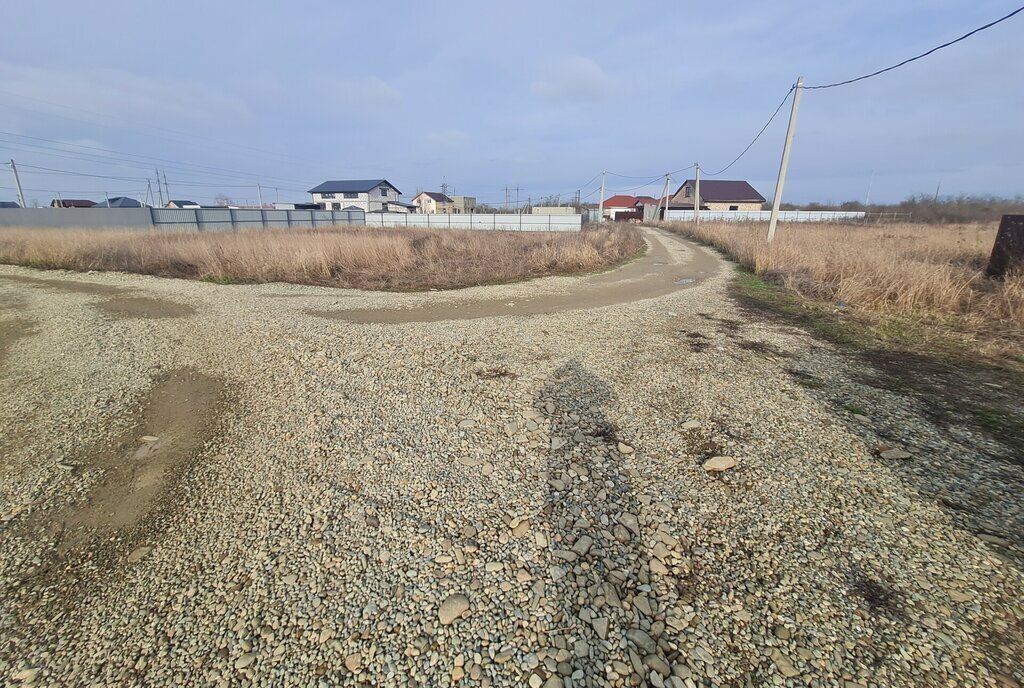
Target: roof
9,204
404,205
646,200
439,197
72,203
350,186
620,201
725,191
119,202
182,203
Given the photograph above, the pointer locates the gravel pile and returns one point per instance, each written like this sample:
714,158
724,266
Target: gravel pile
637,495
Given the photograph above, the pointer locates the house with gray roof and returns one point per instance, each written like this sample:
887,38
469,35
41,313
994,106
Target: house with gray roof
433,202
368,195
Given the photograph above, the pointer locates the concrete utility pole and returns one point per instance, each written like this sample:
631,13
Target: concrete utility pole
259,192
160,192
696,193
167,191
664,196
17,182
600,206
785,159
668,191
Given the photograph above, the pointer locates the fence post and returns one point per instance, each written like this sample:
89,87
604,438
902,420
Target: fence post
471,219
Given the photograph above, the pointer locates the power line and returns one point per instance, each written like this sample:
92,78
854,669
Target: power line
918,57
754,140
51,171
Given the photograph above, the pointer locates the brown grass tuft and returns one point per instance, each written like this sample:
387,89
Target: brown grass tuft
931,272
362,258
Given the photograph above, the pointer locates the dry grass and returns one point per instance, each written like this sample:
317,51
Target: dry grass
393,259
933,273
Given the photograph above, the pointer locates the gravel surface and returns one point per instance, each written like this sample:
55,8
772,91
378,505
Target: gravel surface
211,485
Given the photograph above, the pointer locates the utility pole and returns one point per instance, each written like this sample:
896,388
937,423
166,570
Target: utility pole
696,193
664,194
161,190
259,192
937,187
600,206
785,159
60,201
167,191
17,182
444,186
149,192
518,208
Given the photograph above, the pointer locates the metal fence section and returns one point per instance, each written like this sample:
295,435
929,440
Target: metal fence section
515,222
248,218
221,219
765,215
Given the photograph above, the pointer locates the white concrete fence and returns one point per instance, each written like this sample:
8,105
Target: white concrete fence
219,219
765,215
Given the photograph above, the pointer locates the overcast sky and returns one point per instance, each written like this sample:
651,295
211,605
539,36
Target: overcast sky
543,95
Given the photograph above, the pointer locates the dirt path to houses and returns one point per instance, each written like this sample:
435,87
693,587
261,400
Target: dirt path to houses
209,484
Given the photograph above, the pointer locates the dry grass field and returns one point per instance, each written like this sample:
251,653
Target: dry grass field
930,273
391,259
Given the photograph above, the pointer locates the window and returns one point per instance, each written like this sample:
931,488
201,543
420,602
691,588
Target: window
351,195
734,207
335,206
689,191
326,195
383,191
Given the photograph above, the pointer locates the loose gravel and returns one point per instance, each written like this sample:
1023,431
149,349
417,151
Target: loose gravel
641,494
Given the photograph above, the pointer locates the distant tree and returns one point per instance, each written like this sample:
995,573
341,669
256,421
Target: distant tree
223,200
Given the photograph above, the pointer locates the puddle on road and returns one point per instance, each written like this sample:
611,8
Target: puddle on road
11,331
121,304
144,307
178,416
652,275
69,286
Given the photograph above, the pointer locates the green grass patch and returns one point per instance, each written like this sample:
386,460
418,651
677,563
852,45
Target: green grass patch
926,358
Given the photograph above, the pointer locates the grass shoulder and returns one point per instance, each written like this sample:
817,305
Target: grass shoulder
928,357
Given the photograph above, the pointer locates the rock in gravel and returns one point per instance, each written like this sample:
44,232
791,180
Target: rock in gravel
138,554
785,666
690,425
26,675
656,663
149,438
245,660
895,454
467,423
452,608
583,545
600,624
641,640
625,448
353,662
521,528
717,464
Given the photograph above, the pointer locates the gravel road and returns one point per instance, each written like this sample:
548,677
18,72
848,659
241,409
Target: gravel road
235,485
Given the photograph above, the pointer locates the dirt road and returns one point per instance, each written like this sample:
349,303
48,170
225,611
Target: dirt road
282,485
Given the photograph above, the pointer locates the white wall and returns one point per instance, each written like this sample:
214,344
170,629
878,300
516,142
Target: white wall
479,221
765,215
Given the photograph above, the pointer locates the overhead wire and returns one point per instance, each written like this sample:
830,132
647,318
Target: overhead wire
918,57
754,140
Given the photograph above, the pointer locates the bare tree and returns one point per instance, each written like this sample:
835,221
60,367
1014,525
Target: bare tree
223,200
